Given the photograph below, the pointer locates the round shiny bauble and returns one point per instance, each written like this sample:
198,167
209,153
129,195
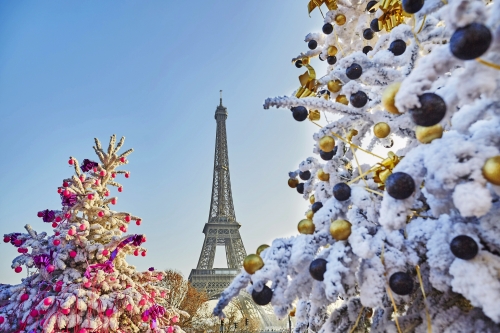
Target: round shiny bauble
331,60
388,97
300,188
367,49
342,99
374,25
464,247
18,269
431,111
293,182
400,185
327,143
368,34
327,156
312,199
332,50
427,134
370,7
341,191
306,227
327,28
401,283
312,44
309,214
252,263
322,175
398,47
317,269
354,71
470,42
340,19
412,6
316,206
261,248
298,63
491,170
262,297
334,85
340,230
305,175
299,113
359,99
381,130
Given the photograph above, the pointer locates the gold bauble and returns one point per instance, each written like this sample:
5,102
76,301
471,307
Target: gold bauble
340,19
381,130
332,50
305,61
310,214
252,263
261,248
388,97
327,143
292,313
342,99
334,85
340,229
427,134
314,115
306,227
491,170
323,175
293,182
312,199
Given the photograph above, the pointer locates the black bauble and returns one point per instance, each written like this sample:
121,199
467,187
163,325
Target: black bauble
400,185
367,49
374,25
327,28
412,6
312,44
354,71
398,47
464,247
317,269
331,60
328,156
316,206
298,63
305,175
471,41
262,297
431,111
300,188
299,113
341,191
368,33
370,5
401,283
358,99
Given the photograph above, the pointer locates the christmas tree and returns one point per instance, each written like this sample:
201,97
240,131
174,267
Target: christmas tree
82,281
409,243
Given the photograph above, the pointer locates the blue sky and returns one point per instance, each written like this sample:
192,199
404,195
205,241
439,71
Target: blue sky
151,71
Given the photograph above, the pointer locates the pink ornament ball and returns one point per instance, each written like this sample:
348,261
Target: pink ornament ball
83,330
175,319
138,222
95,169
57,233
113,175
103,173
142,302
66,193
82,178
170,329
54,224
101,214
24,297
127,175
71,232
163,294
120,189
50,268
56,242
129,307
65,184
109,312
128,218
106,193
20,250
70,162
145,318
143,253
97,182
113,201
72,254
65,311
153,294
39,214
123,159
18,269
136,252
6,239
83,227
67,215
90,196
58,287
160,277
58,219
87,284
124,229
2,320
34,313
143,239
18,242
105,252
59,190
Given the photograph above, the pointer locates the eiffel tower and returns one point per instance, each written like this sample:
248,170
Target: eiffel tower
221,228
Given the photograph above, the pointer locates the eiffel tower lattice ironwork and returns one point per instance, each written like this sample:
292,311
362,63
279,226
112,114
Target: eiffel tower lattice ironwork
222,229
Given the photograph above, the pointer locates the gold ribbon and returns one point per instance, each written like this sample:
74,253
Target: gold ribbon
313,4
308,83
393,15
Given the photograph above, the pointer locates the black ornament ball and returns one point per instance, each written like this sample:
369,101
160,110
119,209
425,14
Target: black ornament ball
401,283
317,269
262,297
374,25
341,191
298,63
400,185
431,111
331,60
305,175
300,188
327,28
368,34
412,6
299,113
328,156
358,99
370,5
354,71
398,47
312,44
471,41
464,247
316,206
367,49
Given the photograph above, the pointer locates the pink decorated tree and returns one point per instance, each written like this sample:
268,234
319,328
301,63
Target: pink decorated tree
82,281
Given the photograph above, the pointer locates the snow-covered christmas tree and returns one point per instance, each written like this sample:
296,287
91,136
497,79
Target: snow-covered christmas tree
410,243
82,281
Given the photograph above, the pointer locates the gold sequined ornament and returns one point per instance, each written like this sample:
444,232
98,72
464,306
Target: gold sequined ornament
491,170
309,214
340,229
327,143
252,263
323,175
334,85
293,182
312,199
342,99
306,227
381,130
340,19
332,50
314,115
261,248
427,134
388,97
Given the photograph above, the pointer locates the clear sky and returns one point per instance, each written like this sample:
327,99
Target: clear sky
151,71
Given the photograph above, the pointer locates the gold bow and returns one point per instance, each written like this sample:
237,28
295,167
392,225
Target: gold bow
385,168
393,15
308,83
331,4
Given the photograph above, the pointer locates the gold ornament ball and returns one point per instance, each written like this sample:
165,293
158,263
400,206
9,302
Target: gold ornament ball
323,175
388,97
340,229
312,199
261,248
491,170
252,263
340,19
427,134
293,182
306,227
327,143
292,313
334,85
381,130
310,214
332,50
342,99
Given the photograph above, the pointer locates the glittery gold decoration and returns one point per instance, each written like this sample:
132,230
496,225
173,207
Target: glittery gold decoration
342,99
393,14
491,170
252,263
332,50
334,85
384,169
306,227
327,143
314,115
340,19
330,4
308,83
381,130
340,229
293,182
